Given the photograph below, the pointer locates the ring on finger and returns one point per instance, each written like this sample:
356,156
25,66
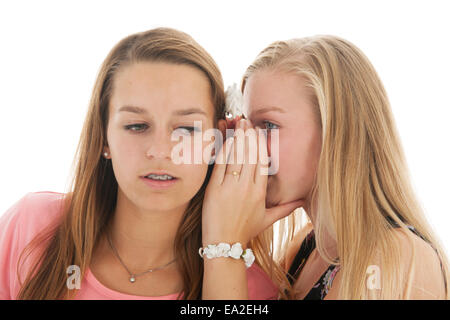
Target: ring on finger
235,173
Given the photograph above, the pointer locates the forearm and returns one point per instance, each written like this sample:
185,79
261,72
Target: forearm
224,279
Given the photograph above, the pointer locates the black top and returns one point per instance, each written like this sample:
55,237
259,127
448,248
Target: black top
320,289
323,285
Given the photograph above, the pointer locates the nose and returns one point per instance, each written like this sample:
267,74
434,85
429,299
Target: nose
160,146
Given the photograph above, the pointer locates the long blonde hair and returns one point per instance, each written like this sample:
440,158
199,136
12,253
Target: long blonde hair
92,197
362,186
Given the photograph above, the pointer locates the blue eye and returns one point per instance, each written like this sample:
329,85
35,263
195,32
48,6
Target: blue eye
270,125
137,127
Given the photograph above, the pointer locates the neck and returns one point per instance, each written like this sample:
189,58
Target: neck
144,239
327,242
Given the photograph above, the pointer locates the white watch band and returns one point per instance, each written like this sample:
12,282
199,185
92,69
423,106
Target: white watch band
226,250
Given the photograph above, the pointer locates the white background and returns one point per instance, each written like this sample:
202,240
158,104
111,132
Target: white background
51,51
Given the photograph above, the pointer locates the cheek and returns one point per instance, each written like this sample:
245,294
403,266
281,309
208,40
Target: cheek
125,152
298,157
193,178
290,159
192,151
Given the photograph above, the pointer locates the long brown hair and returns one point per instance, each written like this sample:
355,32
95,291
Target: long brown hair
91,200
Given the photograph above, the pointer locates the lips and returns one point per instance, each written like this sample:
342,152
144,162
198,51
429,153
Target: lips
159,184
159,173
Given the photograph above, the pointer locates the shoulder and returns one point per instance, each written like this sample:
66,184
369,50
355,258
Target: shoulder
32,211
414,248
41,200
294,245
260,286
421,259
19,225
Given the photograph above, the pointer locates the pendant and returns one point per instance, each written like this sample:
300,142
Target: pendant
132,279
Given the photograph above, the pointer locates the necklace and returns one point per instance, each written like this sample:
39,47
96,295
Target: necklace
133,276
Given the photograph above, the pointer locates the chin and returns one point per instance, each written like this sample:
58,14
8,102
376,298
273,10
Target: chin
160,206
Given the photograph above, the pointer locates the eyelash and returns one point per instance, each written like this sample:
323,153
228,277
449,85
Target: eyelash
131,126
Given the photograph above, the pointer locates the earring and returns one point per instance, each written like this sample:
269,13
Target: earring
105,154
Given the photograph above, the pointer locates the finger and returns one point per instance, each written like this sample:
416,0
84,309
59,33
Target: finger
251,153
262,166
279,212
217,176
235,159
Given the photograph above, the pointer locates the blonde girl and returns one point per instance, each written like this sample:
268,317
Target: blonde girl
339,153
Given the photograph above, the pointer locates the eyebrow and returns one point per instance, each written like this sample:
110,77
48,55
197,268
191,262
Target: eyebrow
183,112
132,109
268,109
186,112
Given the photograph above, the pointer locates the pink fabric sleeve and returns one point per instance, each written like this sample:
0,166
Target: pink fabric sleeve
260,286
9,236
18,226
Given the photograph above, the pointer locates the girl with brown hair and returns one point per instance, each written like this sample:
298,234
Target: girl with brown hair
130,225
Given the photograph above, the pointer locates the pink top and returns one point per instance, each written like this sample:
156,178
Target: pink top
37,210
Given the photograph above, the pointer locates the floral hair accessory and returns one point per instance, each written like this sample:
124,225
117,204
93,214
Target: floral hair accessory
233,101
